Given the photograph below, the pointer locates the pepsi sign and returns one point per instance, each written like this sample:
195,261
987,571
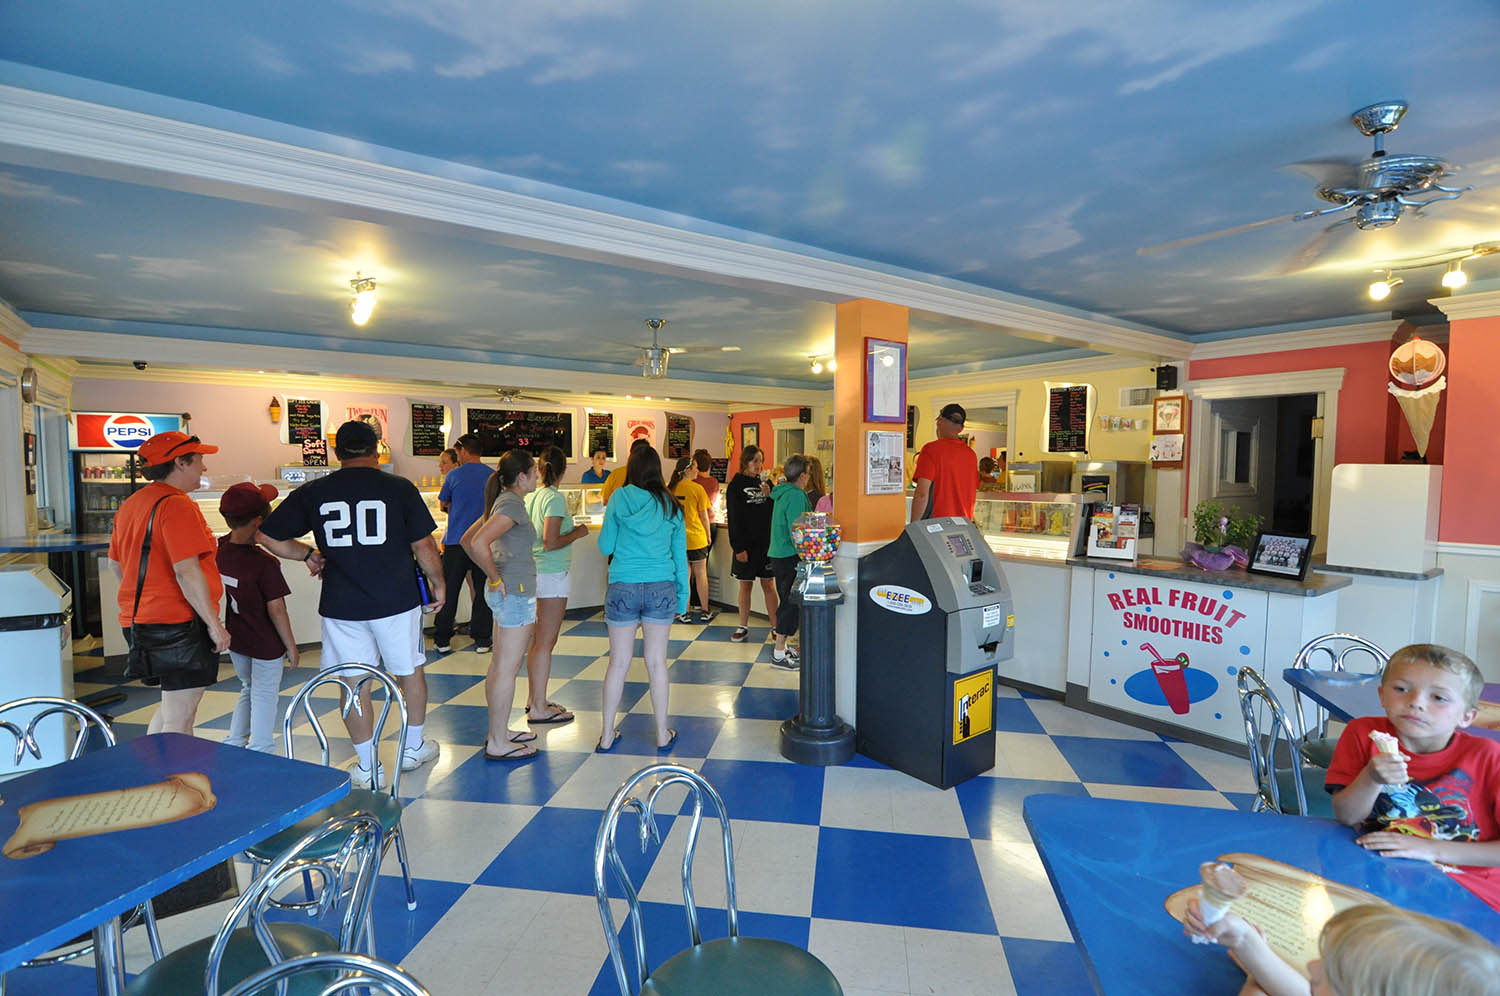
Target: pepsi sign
114,432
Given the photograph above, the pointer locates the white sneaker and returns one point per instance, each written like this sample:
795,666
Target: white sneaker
411,760
443,648
359,776
788,661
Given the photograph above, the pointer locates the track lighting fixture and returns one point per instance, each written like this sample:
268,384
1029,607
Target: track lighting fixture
1381,289
363,304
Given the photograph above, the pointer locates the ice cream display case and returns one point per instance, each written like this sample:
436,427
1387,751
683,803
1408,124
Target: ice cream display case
1046,525
584,503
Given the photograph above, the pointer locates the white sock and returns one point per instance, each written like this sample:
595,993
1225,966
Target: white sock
414,736
366,753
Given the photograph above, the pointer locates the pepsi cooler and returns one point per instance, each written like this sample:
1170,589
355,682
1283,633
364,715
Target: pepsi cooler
935,618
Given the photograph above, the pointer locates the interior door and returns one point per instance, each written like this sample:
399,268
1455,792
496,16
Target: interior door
1242,470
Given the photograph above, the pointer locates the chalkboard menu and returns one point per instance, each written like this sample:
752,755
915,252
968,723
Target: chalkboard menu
601,433
315,452
679,436
911,427
427,429
304,420
501,429
1068,419
718,469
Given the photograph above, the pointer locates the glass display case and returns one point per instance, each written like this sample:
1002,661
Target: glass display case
1045,524
584,503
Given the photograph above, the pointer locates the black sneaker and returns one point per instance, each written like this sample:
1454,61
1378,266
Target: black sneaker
682,617
788,661
706,617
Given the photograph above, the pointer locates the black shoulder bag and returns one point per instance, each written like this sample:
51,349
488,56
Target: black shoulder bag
156,648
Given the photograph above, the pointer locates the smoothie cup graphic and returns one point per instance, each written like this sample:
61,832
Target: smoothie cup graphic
1170,676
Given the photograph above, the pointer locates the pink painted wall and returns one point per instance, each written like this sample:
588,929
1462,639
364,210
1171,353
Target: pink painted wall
234,418
1471,476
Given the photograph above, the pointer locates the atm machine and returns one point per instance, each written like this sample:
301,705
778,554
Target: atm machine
935,618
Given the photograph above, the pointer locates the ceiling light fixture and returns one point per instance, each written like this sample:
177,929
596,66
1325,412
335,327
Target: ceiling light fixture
1381,289
833,365
817,364
1455,277
363,304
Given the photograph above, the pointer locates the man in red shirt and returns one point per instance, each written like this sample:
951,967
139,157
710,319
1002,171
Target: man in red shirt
947,474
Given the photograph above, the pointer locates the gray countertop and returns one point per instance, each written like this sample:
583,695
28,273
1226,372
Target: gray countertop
1427,575
1315,585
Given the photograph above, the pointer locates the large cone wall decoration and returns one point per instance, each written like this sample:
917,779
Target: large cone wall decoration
1420,407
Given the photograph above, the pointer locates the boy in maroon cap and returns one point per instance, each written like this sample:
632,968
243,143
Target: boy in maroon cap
260,632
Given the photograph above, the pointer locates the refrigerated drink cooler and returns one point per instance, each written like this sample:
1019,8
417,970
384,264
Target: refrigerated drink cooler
935,620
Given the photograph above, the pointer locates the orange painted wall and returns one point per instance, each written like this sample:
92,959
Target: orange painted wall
762,419
865,518
1471,476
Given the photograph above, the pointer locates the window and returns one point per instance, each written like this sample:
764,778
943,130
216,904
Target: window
1238,457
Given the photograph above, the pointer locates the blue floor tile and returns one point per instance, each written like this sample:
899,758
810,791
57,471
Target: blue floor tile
768,790
442,687
1242,800
902,879
397,929
1129,762
587,695
725,634
460,724
1046,968
530,782
695,735
588,627
1014,716
566,665
555,853
765,703
992,806
707,672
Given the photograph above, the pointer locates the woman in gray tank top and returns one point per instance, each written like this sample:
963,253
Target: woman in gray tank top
501,543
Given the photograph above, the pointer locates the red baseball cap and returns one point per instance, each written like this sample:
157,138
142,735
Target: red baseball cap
246,500
166,446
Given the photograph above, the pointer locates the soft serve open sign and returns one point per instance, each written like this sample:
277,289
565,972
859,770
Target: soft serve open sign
899,599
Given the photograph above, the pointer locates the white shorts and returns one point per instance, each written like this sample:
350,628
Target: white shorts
552,585
393,642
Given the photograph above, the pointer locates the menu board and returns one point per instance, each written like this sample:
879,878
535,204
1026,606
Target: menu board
315,452
601,433
911,427
718,469
1068,418
679,436
304,419
427,437
501,429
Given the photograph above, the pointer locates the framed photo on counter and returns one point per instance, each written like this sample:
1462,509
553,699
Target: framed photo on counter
1282,555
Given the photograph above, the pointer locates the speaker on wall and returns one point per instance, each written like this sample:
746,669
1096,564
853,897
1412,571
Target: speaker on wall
1166,378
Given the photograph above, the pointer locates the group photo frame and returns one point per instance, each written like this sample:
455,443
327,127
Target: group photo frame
1282,555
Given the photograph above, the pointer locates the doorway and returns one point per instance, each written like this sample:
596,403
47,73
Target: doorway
788,443
1262,458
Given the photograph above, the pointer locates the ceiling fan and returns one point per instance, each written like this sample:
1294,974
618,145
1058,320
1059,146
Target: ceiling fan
1377,189
654,358
510,395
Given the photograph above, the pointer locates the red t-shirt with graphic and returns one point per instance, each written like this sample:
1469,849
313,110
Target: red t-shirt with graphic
1454,794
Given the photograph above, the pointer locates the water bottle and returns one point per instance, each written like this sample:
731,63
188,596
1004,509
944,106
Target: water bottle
425,590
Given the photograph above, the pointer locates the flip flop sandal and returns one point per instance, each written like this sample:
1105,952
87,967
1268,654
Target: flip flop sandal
514,754
668,745
524,737
558,715
599,747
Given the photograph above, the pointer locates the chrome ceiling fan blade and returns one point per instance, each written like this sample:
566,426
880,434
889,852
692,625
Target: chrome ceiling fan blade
1329,173
1315,247
1221,233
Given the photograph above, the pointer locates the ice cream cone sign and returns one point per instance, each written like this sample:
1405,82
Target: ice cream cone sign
1416,369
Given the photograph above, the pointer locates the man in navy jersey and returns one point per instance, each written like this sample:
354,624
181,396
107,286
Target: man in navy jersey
368,526
462,497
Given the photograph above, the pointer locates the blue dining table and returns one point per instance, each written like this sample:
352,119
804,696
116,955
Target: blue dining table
1348,695
86,883
1113,863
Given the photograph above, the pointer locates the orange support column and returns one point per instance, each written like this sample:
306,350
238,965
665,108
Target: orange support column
864,518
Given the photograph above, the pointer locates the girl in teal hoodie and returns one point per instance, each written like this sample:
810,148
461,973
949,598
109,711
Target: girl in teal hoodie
645,535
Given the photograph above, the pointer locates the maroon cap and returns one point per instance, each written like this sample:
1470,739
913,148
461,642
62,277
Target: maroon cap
166,446
246,500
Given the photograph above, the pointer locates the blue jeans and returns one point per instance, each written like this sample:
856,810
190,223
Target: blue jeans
629,602
511,611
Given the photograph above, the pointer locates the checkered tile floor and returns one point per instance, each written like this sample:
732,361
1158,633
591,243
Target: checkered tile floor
897,886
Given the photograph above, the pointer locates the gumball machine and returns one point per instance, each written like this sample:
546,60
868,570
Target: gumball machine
816,735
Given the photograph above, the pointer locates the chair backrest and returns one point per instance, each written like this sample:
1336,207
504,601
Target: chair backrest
607,858
345,876
40,707
1333,652
356,972
352,679
1268,733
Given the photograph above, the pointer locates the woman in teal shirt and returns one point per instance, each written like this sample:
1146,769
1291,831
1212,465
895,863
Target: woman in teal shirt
548,511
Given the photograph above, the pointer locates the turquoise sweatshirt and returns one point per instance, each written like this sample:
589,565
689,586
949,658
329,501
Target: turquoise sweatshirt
788,503
646,544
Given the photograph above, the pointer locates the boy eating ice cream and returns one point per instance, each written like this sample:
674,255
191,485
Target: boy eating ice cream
1437,798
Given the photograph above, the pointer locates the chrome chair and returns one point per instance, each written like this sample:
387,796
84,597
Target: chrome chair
1332,653
1269,735
728,966
384,805
39,708
357,972
342,854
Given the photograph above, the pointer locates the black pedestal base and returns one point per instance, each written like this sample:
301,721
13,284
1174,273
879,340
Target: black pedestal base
807,745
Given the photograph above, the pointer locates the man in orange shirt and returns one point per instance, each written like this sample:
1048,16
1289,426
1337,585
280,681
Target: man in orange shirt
182,578
947,474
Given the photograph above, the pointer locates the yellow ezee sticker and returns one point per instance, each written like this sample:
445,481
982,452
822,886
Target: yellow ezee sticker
973,705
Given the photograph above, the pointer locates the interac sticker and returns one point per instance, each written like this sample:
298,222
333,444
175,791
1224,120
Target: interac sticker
973,705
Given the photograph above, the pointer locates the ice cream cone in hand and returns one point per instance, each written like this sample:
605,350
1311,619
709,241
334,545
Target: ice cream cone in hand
1222,885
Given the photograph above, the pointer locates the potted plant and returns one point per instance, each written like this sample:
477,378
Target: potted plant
1222,535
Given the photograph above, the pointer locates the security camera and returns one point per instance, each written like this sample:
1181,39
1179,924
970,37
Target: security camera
139,364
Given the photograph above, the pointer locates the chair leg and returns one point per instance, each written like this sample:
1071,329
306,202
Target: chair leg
153,936
411,895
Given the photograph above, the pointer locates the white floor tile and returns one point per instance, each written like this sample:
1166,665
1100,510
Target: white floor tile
1030,755
1058,720
464,950
1021,897
456,841
868,956
956,964
1152,793
695,700
1224,772
748,740
774,867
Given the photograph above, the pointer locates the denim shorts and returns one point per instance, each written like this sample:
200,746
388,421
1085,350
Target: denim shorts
512,611
629,602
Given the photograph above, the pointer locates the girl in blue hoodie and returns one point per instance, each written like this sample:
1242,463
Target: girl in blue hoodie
645,534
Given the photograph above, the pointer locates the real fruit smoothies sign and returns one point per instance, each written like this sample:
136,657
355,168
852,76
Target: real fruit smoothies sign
116,432
1197,617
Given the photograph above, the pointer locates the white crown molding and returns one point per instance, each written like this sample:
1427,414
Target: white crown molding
1256,385
1446,549
205,361
982,379
1280,342
54,132
12,325
1485,304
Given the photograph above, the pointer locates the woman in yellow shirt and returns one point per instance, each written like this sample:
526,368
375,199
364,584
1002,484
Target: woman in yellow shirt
694,502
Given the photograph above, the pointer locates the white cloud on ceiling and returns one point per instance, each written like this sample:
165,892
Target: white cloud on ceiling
364,60
167,268
639,172
1319,58
1049,233
13,186
23,270
271,58
898,161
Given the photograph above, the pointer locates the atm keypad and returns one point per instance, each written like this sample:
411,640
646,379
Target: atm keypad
982,589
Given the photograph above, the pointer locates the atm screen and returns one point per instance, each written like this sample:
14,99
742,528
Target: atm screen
959,545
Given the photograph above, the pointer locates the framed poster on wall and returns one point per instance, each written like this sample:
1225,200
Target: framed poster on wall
885,463
749,434
885,381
